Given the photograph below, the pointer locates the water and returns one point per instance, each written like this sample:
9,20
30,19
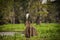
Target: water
9,33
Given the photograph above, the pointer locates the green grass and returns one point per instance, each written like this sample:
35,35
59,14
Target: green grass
46,31
12,27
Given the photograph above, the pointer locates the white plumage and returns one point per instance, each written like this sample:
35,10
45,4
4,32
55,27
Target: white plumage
44,1
27,15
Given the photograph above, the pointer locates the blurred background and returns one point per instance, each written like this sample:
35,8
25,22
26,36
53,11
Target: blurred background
45,13
14,11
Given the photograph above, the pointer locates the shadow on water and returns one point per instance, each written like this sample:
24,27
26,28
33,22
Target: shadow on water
1,28
57,28
56,35
57,32
52,34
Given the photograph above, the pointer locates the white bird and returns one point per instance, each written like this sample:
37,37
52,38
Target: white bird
44,1
27,15
52,0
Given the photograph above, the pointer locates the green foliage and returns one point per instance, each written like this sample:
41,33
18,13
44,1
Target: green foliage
14,10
